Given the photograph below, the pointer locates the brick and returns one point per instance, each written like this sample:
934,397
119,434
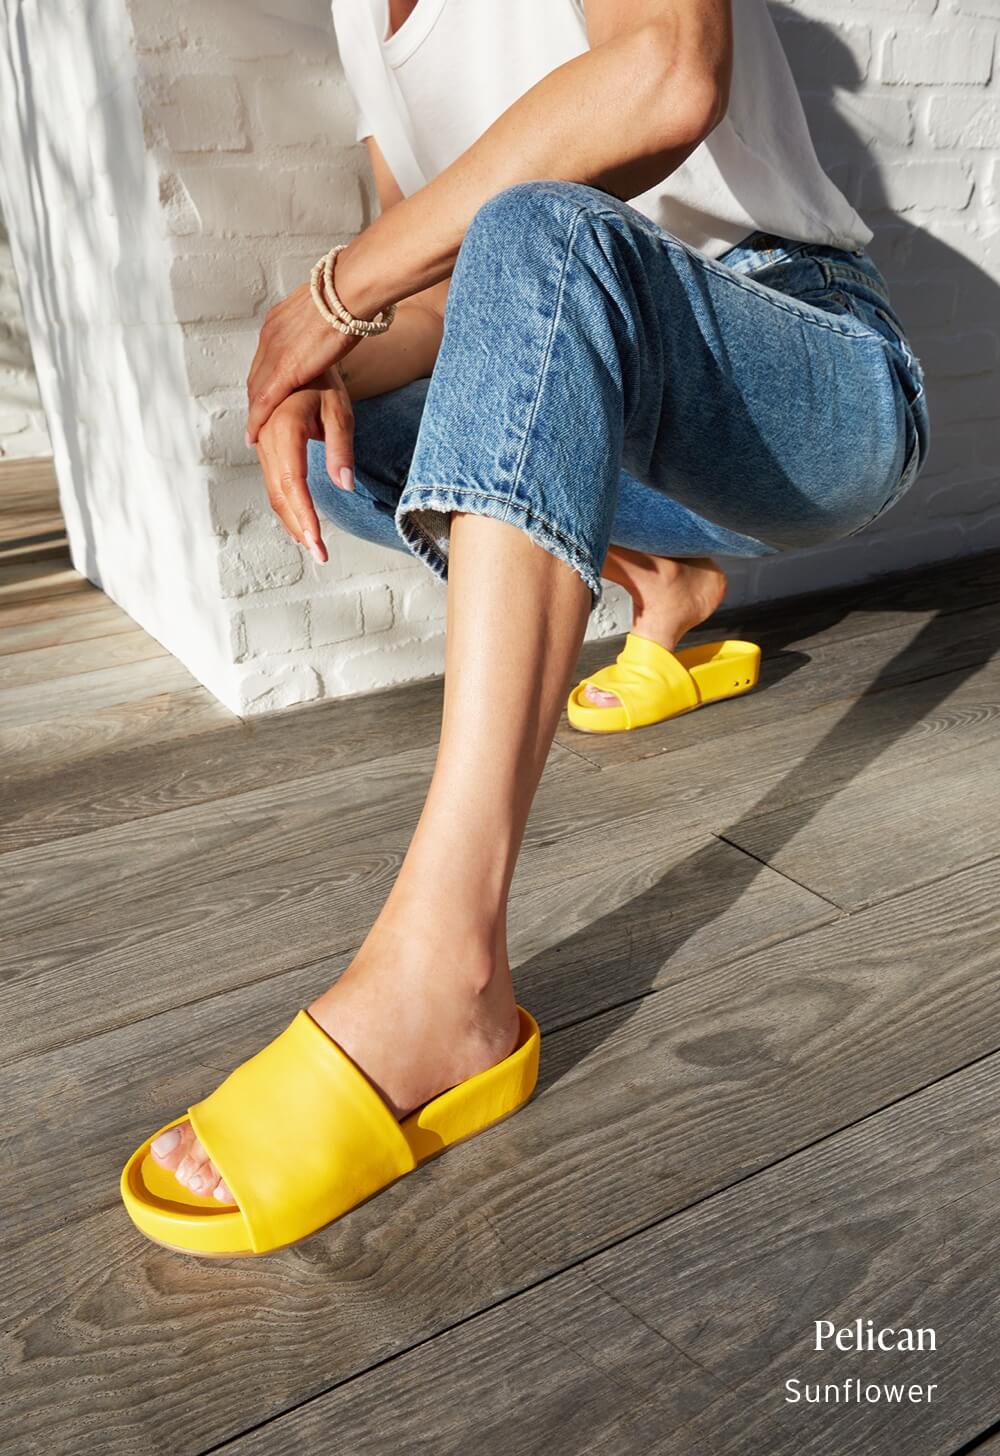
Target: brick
283,627
950,450
179,211
824,53
885,121
327,200
991,245
376,609
425,601
240,201
964,121
303,110
931,300
202,113
234,29
235,493
384,665
969,497
895,7
335,618
293,269
959,55
949,356
351,556
960,401
259,557
211,286
222,424
986,448
281,685
923,185
216,361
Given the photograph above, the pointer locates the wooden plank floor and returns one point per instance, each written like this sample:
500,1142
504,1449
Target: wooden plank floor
762,941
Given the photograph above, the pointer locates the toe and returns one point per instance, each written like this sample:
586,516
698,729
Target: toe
179,1152
172,1147
196,1170
599,698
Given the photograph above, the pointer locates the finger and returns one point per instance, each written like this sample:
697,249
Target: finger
254,375
290,451
338,432
279,505
275,384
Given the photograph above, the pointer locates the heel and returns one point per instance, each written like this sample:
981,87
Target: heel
725,670
480,1101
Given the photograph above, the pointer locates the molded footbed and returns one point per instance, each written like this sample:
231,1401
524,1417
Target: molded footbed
716,670
171,1215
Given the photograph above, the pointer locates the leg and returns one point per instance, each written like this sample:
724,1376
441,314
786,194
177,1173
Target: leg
520,497
385,432
661,551
603,344
433,975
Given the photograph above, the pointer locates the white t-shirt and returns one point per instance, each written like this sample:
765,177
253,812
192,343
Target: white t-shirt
430,90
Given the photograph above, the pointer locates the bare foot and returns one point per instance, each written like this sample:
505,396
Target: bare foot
670,595
416,1021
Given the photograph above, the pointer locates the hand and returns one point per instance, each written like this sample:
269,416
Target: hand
296,345
307,414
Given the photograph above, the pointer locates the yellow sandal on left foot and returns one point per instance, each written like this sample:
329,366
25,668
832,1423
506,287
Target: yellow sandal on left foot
652,683
300,1135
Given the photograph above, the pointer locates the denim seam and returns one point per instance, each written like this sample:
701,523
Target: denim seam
844,271
731,276
711,265
546,354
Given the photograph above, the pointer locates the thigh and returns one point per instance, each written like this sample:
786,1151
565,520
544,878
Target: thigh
385,432
654,522
779,417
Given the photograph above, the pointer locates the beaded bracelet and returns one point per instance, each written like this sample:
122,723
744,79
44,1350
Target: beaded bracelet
324,296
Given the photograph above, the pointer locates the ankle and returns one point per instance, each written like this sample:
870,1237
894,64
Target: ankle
684,594
436,948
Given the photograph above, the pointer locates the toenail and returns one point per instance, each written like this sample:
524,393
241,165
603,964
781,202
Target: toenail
166,1142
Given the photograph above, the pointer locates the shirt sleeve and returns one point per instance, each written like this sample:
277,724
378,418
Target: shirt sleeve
352,59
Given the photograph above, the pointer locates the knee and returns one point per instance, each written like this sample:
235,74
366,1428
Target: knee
529,214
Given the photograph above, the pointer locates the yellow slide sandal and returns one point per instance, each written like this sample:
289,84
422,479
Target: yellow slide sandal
299,1135
652,683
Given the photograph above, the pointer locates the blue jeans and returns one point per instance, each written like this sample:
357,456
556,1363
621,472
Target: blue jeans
601,382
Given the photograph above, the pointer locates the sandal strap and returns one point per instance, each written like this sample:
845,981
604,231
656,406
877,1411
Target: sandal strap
299,1135
643,664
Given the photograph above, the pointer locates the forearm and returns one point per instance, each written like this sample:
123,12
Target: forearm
388,361
620,117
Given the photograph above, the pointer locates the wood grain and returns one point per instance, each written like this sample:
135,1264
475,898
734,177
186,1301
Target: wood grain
642,1111
761,941
680,1339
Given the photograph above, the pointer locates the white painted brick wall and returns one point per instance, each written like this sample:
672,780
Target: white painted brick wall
245,126
23,432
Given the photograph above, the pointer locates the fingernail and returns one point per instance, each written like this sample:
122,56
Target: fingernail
221,1192
166,1142
310,541
197,1183
347,478
247,438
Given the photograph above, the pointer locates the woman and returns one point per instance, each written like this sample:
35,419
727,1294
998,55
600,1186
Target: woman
618,389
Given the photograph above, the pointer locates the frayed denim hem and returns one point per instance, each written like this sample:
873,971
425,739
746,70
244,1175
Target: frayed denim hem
423,520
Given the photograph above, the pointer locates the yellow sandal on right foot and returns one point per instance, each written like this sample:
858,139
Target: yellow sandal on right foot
653,684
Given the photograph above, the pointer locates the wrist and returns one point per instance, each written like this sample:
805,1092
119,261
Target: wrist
354,285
